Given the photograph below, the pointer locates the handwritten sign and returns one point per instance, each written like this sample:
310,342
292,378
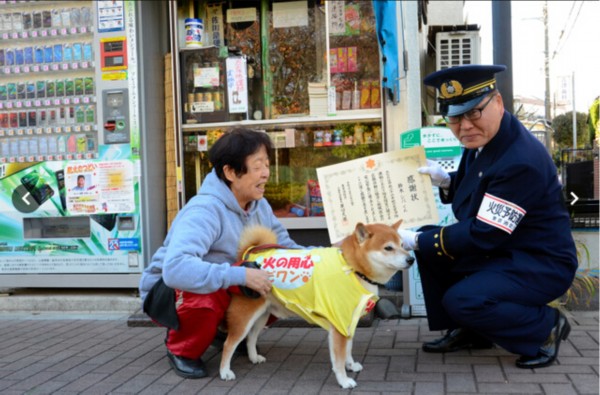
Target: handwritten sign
237,84
381,188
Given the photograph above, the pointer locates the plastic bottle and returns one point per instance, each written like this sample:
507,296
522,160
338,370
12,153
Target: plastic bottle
356,97
194,30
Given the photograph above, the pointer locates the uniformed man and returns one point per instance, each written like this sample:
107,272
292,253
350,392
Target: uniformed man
488,278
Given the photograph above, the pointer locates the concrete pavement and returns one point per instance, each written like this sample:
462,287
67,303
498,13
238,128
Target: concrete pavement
93,353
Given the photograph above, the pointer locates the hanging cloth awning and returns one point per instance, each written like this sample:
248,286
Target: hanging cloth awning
387,35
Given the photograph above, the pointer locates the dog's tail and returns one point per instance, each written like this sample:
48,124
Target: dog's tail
253,236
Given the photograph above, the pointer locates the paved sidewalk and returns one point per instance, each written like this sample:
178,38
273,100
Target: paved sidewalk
62,354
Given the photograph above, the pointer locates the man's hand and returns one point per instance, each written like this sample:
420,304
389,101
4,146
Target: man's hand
439,177
259,280
409,239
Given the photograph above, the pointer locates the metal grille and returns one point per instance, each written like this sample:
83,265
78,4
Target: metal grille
457,49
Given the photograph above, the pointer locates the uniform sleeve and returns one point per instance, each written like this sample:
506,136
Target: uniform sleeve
505,203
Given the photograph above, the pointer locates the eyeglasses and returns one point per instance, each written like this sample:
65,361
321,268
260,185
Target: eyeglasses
472,115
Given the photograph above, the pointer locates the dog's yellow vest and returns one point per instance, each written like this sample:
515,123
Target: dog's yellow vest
317,285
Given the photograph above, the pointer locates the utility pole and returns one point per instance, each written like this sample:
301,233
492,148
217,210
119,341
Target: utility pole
574,113
548,110
502,42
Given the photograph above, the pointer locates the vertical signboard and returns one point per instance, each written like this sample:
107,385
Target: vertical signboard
441,146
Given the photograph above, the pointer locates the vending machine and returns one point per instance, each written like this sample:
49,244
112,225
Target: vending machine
76,131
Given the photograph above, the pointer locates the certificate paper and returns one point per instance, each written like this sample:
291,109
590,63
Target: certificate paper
380,188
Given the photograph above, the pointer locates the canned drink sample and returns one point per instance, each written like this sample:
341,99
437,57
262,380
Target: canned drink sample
194,30
218,101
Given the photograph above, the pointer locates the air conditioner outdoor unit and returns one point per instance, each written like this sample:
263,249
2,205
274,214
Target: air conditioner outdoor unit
457,48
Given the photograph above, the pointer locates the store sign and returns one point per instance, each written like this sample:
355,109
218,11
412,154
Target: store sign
241,15
290,14
237,85
214,25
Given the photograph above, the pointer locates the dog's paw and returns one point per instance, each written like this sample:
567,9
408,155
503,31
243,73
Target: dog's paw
347,383
354,367
258,359
227,375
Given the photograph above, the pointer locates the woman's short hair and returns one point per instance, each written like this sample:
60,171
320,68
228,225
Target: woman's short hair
233,147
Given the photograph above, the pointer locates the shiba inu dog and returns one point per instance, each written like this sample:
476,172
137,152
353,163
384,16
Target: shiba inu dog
330,287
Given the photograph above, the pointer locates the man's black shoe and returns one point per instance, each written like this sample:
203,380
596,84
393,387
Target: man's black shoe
187,368
457,339
549,351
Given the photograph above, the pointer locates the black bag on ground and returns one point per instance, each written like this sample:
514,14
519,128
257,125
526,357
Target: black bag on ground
160,305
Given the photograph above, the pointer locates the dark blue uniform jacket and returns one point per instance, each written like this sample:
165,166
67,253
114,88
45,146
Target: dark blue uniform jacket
511,214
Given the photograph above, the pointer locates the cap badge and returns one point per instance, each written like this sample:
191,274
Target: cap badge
450,89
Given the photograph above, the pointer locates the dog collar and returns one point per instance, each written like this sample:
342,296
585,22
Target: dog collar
367,279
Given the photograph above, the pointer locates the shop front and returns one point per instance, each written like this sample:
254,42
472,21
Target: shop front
309,73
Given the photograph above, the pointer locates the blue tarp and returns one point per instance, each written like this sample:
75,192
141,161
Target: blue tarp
387,35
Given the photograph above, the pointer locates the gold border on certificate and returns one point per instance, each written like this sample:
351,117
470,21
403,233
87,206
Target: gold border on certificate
381,188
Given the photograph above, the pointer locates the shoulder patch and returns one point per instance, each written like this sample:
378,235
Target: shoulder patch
500,213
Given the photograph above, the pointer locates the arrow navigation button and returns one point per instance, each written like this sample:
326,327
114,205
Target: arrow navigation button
575,198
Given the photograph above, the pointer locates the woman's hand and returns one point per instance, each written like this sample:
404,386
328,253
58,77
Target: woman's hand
259,280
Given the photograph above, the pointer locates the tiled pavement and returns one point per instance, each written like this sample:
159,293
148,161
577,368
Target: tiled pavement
65,354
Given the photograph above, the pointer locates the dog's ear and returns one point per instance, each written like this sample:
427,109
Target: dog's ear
396,226
361,233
